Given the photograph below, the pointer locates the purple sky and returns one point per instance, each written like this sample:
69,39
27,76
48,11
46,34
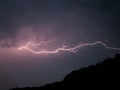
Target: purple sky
62,22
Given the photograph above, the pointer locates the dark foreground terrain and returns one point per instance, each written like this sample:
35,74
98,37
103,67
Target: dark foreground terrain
102,76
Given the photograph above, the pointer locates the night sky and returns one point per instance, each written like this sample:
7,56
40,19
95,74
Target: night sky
54,23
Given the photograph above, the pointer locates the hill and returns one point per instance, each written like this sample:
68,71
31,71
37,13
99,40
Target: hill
104,75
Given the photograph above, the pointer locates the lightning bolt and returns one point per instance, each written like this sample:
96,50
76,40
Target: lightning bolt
63,48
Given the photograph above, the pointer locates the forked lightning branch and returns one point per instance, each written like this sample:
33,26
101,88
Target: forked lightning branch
63,48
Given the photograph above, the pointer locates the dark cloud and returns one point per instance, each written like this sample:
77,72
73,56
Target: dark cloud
18,13
66,22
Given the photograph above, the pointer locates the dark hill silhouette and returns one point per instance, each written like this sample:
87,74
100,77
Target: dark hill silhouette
102,76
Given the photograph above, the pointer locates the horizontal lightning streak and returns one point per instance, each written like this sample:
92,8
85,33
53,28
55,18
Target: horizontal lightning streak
74,49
